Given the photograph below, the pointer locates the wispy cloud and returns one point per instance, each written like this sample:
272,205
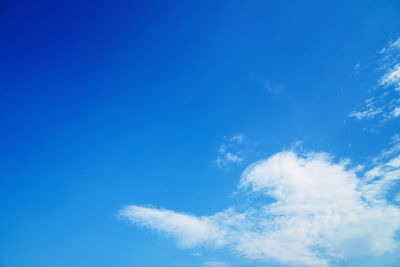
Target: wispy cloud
386,103
384,173
322,211
237,138
391,77
274,89
216,264
397,198
189,230
369,111
229,151
396,112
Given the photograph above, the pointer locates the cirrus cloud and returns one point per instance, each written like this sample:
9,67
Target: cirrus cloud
386,102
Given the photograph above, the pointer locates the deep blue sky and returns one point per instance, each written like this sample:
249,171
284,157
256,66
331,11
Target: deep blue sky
105,104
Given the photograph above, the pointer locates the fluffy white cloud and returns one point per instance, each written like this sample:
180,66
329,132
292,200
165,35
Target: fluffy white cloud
322,211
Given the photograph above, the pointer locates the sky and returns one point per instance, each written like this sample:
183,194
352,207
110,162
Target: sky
199,133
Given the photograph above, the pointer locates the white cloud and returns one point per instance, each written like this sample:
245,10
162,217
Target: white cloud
369,110
323,211
384,174
229,151
369,113
386,103
238,138
215,264
390,152
227,158
395,44
317,210
232,157
396,112
391,77
397,198
222,148
189,230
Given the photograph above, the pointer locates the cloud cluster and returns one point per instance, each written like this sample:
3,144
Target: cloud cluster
302,208
321,211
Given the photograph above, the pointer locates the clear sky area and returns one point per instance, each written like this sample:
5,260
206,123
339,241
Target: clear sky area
199,133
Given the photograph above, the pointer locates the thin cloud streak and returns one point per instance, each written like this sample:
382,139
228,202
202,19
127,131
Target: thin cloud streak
387,103
216,264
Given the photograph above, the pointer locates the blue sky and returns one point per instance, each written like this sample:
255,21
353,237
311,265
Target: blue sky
209,133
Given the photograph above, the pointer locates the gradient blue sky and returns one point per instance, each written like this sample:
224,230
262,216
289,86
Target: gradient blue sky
106,104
